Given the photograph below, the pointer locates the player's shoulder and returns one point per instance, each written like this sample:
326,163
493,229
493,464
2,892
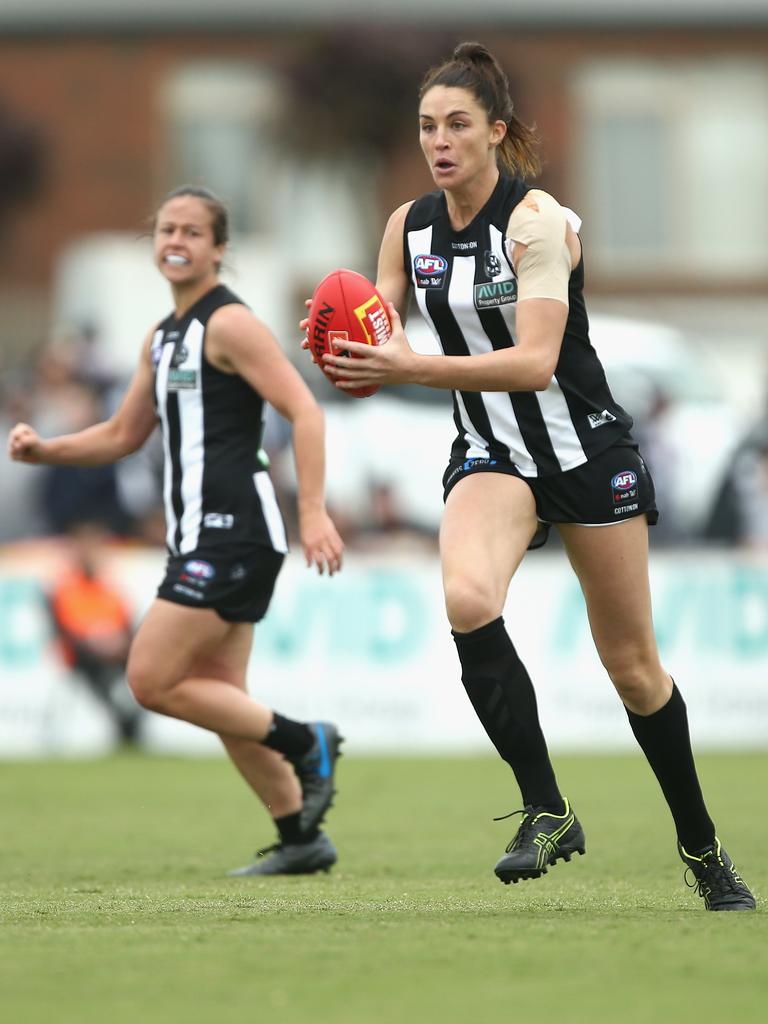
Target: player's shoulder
154,333
536,203
231,323
398,217
541,212
537,217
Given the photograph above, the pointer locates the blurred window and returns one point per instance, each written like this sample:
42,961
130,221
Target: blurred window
672,162
220,121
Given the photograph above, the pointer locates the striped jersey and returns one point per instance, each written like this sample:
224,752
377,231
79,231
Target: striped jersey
216,491
466,289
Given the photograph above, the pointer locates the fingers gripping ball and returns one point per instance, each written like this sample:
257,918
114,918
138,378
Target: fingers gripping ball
346,307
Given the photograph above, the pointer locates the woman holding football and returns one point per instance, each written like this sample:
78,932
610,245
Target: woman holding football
205,374
497,270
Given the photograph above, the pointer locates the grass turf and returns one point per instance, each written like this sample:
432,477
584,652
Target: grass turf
114,908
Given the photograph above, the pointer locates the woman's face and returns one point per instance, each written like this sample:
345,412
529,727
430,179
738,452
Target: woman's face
456,136
184,247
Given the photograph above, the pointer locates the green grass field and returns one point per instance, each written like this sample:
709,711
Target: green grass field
114,908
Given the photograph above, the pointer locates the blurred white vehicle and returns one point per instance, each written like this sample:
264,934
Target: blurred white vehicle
686,427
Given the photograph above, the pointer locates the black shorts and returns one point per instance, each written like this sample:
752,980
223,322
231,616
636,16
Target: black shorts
238,583
613,486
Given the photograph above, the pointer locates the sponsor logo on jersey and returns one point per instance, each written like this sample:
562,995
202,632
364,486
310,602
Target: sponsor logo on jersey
199,569
218,520
182,380
495,293
374,320
599,419
464,246
492,264
430,270
624,486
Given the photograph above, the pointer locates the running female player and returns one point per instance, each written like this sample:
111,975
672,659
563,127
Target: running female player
497,271
205,374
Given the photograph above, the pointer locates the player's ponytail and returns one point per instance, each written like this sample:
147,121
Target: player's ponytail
474,68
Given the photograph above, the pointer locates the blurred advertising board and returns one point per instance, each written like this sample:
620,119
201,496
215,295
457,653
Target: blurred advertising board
371,650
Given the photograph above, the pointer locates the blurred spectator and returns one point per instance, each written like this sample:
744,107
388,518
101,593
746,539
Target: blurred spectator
93,625
70,391
740,512
653,433
20,517
388,524
74,494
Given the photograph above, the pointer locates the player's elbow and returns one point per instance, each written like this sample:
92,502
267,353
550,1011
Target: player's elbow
541,376
541,382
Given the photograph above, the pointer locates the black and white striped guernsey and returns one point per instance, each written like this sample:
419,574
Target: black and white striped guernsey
215,489
467,292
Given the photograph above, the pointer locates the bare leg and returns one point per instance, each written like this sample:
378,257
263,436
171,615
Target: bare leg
611,563
190,664
265,771
619,605
489,521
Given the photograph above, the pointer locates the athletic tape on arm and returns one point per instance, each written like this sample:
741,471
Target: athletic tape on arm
544,268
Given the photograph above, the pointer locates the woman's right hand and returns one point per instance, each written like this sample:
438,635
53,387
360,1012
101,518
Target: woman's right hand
24,444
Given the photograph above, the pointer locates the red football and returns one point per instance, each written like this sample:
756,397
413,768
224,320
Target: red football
346,307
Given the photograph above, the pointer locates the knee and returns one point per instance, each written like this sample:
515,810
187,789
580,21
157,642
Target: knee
145,685
639,678
470,604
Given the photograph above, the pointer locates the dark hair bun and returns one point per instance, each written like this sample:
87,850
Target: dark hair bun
473,53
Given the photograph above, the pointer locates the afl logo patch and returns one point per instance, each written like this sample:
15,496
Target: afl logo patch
429,270
202,570
624,480
624,488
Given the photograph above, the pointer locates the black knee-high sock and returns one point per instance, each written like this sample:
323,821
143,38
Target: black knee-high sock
292,739
666,742
504,700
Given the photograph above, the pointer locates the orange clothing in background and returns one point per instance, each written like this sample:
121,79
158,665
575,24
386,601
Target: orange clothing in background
87,609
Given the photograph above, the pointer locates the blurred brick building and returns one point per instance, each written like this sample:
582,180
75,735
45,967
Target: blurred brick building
654,122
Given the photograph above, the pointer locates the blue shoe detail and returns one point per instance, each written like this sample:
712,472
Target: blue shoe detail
324,768
315,771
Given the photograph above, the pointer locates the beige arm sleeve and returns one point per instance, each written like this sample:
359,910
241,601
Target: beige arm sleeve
539,222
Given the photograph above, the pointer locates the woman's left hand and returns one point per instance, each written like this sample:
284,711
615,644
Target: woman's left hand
373,365
323,547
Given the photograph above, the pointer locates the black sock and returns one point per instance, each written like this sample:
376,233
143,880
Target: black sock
504,700
288,737
290,831
666,742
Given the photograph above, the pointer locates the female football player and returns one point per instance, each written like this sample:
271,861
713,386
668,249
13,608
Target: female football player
205,374
497,271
